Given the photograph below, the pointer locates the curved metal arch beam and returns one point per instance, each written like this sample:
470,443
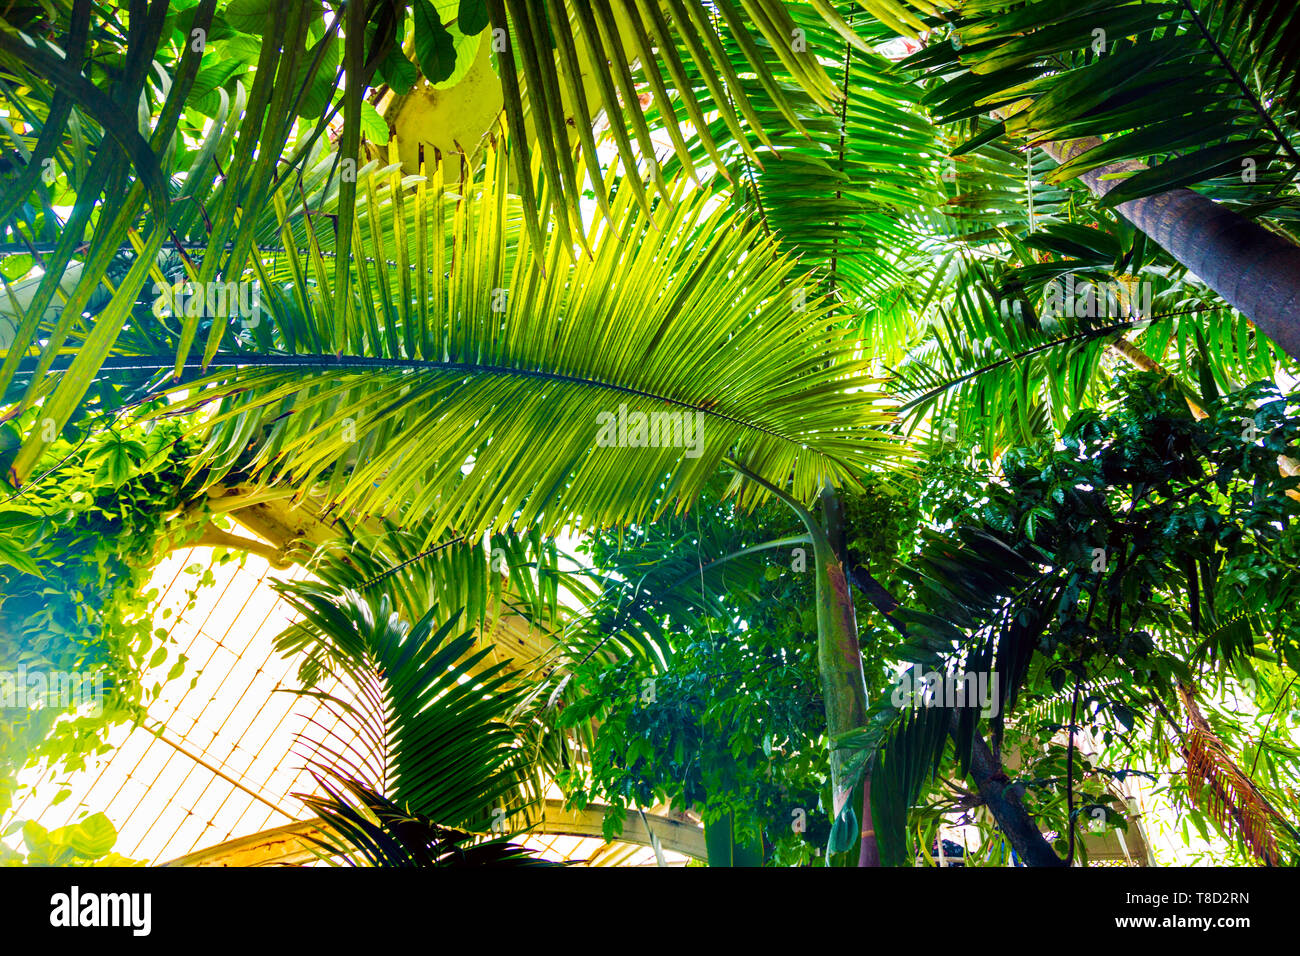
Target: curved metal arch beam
290,845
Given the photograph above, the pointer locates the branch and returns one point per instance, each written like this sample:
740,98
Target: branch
215,537
995,789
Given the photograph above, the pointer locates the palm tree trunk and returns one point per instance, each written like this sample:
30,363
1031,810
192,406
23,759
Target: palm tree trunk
840,662
844,690
1254,270
839,658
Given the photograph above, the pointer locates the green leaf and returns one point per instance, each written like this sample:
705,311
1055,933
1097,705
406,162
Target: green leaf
14,268
373,125
248,16
1186,170
12,553
466,50
398,72
435,47
117,463
472,16
35,836
89,839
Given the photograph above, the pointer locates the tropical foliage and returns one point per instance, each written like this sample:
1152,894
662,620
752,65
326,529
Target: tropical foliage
77,551
760,359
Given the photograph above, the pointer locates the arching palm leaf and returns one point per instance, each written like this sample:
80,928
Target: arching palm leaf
417,729
552,44
1176,81
293,50
832,191
476,388
375,831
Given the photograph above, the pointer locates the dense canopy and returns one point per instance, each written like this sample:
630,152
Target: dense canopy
778,433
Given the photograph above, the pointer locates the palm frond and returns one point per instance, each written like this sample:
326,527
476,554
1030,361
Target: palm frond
1154,81
503,575
373,830
564,63
289,56
418,728
990,366
831,191
1217,785
488,390
903,766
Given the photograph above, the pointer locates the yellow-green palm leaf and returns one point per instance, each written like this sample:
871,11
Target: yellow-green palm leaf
466,383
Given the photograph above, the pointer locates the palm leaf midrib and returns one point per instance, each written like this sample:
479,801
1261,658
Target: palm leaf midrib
334,363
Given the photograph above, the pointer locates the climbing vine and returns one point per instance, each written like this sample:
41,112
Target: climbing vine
76,551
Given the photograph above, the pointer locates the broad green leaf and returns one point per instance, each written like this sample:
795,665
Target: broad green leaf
435,47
